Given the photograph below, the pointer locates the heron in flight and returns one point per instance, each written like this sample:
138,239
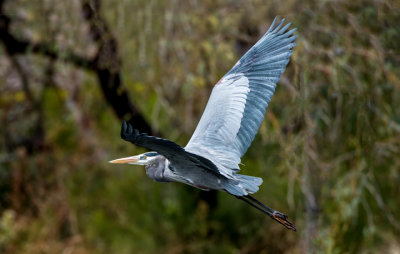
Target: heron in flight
231,119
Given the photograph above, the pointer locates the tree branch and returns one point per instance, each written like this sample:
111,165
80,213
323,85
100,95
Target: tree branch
105,64
15,46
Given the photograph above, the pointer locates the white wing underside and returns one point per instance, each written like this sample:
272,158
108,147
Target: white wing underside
215,135
237,104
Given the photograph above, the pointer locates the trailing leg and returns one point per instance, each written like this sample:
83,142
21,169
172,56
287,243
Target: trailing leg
277,216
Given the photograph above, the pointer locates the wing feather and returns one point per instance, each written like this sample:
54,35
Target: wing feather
172,151
237,104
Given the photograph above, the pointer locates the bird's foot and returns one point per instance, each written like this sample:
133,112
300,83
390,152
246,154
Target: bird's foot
282,219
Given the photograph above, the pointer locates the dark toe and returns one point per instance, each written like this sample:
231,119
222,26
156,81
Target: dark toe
282,219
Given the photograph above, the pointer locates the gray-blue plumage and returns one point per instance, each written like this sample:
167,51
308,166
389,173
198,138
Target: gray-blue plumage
230,121
238,102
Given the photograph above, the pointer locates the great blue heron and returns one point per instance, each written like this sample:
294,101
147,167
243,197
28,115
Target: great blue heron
231,119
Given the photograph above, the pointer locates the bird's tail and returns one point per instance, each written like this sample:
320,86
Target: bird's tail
249,183
242,185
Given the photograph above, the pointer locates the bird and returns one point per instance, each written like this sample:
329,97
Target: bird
230,121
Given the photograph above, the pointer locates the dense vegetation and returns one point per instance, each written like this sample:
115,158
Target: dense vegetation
328,150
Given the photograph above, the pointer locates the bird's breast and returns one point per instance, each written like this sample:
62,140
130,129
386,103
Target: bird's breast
156,169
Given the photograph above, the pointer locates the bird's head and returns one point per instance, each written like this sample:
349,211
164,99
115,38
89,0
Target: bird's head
141,159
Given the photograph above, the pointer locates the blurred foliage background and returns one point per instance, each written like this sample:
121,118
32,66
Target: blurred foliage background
328,150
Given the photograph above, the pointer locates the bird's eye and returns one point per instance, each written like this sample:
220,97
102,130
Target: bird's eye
143,157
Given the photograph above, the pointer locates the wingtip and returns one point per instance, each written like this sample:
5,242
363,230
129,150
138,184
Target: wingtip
123,129
130,129
271,27
276,29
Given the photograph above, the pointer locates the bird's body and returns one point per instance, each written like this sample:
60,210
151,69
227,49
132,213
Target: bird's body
160,169
193,175
232,117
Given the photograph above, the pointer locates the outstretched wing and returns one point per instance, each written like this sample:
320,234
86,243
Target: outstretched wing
172,151
238,101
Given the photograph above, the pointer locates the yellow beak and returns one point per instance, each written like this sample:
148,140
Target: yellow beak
132,159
